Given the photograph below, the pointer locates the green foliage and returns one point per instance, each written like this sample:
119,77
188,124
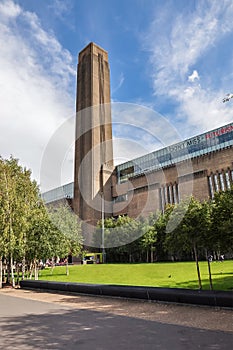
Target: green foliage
221,225
183,231
118,232
18,200
190,222
67,229
27,233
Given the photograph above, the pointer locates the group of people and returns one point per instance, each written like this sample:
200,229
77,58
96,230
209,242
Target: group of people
221,258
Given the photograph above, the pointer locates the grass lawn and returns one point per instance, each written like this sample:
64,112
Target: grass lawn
171,275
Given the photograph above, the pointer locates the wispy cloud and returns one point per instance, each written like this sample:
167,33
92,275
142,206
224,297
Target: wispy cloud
120,82
36,78
177,43
62,9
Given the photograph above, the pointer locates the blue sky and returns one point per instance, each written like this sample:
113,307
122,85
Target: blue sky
175,57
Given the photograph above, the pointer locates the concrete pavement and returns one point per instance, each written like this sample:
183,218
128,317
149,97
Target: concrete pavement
33,320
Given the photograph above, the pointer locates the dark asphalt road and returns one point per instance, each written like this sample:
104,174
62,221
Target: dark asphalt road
32,324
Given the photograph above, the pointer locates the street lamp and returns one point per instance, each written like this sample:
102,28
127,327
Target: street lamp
102,211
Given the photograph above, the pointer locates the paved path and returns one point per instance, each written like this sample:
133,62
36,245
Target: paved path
34,320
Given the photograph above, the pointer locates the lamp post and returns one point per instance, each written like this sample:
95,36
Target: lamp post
102,226
102,212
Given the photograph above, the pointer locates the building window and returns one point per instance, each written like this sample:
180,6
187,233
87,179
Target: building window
216,183
228,181
171,195
165,195
222,184
162,198
174,193
121,198
168,194
211,188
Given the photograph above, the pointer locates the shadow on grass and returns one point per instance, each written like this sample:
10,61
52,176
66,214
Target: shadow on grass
222,283
57,328
222,273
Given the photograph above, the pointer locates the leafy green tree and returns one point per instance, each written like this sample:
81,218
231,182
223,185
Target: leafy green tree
41,239
27,234
67,231
190,229
149,238
221,230
18,195
120,238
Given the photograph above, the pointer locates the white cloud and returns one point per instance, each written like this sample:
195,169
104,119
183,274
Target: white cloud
178,42
36,78
8,9
194,76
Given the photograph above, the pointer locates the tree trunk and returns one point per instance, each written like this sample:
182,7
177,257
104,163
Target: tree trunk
67,268
17,273
197,266
210,276
151,255
0,272
12,272
23,268
209,270
52,266
30,270
4,271
215,255
36,270
147,256
8,274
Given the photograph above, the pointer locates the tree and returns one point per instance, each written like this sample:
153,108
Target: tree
149,238
221,237
67,229
189,232
120,238
18,196
27,234
41,238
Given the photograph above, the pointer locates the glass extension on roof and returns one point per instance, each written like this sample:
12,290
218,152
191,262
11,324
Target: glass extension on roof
66,191
196,146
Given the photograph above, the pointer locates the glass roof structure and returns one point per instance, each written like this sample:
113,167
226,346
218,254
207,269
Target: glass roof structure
66,191
190,148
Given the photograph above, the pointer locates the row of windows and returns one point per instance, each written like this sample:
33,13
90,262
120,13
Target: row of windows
220,182
169,194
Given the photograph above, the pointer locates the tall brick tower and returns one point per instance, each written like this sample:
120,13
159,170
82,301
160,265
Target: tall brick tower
93,146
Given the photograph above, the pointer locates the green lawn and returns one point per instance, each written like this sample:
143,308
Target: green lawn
177,275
